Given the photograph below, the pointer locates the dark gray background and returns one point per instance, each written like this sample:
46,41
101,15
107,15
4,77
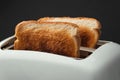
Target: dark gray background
106,11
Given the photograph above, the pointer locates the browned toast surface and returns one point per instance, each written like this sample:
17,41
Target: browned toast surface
53,37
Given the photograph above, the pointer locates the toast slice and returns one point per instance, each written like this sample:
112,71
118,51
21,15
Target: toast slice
53,37
89,28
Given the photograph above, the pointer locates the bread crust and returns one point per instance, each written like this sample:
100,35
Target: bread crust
33,38
44,19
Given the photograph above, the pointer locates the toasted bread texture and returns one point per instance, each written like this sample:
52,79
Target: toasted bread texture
53,37
89,28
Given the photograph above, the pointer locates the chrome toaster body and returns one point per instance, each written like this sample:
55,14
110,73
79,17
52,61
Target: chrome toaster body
102,64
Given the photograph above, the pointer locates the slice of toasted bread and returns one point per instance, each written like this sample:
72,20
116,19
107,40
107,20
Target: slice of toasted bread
89,28
54,37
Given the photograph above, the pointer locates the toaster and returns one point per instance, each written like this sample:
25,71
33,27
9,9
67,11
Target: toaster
103,63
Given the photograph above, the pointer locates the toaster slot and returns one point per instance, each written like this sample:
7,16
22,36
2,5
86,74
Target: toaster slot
7,43
84,51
